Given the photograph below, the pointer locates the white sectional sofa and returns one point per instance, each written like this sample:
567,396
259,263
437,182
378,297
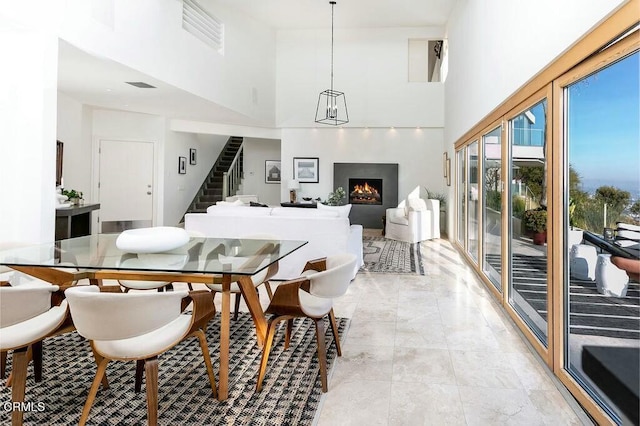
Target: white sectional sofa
328,232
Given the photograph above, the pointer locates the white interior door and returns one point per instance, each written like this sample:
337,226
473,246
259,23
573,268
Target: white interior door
125,187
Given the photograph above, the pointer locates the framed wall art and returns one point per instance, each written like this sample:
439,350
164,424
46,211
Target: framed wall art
305,169
272,171
182,165
192,156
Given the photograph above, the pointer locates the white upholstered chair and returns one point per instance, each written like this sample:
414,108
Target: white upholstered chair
261,278
311,295
27,316
414,220
138,327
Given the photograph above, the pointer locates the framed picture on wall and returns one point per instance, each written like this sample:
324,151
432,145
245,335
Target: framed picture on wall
192,156
272,171
448,171
305,169
182,165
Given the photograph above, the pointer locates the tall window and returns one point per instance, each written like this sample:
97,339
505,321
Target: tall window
528,213
603,167
492,206
472,200
462,189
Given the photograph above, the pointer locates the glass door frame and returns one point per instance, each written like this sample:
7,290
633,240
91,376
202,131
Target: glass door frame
545,351
503,261
560,220
591,50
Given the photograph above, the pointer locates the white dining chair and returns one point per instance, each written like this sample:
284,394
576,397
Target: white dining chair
27,316
261,278
311,296
138,327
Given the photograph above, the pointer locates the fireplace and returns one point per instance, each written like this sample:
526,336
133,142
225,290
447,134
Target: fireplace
367,210
365,191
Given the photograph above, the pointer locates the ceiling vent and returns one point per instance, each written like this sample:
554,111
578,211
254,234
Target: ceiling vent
140,84
202,24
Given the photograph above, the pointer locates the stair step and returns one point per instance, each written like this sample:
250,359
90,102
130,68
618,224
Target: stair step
208,198
203,206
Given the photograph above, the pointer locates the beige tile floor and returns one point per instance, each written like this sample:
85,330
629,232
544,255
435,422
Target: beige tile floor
437,349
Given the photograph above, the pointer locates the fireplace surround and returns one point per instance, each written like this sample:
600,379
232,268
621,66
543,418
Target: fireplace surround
367,211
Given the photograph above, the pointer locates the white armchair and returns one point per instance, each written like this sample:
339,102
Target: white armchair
414,220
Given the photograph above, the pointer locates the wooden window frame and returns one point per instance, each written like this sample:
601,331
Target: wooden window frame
585,57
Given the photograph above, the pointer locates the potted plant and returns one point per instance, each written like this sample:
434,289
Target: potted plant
73,195
575,234
336,198
535,221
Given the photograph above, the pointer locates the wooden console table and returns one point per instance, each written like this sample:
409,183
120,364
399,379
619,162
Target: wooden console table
301,205
74,221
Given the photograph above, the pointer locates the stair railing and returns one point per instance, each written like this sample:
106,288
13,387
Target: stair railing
232,178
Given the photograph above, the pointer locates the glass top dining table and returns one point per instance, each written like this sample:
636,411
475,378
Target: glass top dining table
237,256
201,260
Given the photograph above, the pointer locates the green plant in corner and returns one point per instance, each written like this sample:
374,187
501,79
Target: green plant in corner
432,195
336,198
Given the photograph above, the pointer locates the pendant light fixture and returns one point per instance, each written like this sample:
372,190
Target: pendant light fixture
332,105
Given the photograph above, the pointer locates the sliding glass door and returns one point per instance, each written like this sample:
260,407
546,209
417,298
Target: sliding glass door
492,206
461,191
472,201
602,164
527,209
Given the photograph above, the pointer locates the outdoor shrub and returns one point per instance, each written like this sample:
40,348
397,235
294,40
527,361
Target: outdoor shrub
535,220
518,206
494,200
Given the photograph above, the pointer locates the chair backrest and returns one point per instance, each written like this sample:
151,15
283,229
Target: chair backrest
334,281
262,275
113,316
21,303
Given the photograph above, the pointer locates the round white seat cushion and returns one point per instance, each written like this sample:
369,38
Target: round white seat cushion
152,240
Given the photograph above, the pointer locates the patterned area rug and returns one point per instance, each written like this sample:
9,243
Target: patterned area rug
391,256
290,394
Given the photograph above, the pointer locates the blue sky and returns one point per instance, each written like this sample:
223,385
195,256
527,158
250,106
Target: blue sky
604,126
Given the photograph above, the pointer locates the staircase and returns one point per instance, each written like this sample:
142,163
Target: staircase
211,190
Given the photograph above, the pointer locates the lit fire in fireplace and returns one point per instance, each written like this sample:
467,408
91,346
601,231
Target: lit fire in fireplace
364,194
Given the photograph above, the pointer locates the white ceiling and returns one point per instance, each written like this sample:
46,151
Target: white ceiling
288,14
100,82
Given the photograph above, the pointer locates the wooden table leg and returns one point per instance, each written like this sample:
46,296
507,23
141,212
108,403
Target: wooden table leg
252,300
225,316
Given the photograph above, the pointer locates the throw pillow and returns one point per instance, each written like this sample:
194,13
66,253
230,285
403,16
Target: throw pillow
230,203
343,211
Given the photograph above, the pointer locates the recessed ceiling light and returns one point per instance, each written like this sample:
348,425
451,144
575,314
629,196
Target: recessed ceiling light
140,84
109,90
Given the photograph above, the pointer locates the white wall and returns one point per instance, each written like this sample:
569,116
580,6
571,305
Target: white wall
370,66
74,130
28,78
418,153
179,190
256,151
495,46
147,35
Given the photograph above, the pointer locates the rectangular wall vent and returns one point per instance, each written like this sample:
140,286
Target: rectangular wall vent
203,25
